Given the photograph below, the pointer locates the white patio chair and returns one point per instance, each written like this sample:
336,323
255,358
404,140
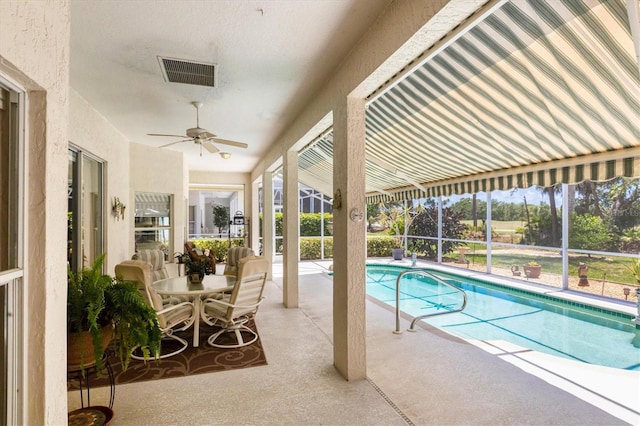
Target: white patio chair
171,317
234,309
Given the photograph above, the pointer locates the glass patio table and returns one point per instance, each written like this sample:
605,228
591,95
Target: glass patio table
181,286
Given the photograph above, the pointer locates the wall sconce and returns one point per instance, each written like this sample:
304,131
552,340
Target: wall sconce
225,155
118,208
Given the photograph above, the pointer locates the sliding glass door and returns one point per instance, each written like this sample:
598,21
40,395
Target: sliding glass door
85,224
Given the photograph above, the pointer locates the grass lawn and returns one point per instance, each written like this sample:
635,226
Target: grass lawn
614,268
500,226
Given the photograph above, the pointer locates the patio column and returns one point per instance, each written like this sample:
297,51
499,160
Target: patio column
254,236
349,239
290,230
488,232
267,219
564,248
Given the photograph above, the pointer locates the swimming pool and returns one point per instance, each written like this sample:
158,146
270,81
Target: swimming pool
535,321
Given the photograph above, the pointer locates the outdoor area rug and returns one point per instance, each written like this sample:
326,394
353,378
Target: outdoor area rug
203,359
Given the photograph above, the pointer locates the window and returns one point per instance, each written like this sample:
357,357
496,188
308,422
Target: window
211,209
153,229
11,252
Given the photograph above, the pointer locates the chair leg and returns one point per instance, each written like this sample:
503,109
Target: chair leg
237,330
184,345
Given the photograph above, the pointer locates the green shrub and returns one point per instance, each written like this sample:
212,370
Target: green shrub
310,248
309,224
588,232
219,246
380,246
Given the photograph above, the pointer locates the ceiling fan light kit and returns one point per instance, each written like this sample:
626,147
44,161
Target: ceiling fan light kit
202,137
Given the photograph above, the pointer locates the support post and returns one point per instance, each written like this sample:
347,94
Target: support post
268,225
350,250
291,230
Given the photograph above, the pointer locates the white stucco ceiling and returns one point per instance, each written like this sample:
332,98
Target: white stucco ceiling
271,56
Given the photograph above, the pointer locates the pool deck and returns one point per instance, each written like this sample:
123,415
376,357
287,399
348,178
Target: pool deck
614,391
423,378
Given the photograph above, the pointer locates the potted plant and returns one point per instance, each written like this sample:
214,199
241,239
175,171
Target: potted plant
196,268
397,219
99,308
532,269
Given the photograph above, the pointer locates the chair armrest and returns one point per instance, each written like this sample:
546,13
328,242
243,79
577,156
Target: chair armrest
229,305
170,308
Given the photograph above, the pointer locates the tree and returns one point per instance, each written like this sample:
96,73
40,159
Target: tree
220,217
588,232
555,235
426,224
398,218
373,211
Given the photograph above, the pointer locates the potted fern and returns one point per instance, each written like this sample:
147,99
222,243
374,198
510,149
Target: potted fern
101,308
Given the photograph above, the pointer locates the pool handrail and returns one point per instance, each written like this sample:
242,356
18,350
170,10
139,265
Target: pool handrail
418,318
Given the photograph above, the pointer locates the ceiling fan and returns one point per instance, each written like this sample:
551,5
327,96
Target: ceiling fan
202,137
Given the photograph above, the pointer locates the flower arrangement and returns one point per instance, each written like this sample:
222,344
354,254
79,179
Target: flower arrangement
195,266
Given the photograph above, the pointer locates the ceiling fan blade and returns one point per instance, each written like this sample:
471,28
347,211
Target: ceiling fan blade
162,134
207,135
230,143
209,146
173,143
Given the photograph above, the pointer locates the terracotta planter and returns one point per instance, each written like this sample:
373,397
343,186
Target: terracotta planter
80,347
532,271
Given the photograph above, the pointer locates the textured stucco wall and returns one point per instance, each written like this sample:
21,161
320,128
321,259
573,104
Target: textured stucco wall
90,131
34,53
160,171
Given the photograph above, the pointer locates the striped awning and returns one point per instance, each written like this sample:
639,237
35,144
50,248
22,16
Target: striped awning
538,93
152,204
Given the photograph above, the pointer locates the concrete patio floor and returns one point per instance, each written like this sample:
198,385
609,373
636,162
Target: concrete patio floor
423,378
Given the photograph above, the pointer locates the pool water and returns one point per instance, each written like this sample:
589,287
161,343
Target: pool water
537,322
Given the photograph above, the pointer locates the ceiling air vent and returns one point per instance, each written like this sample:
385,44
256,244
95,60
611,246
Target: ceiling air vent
188,72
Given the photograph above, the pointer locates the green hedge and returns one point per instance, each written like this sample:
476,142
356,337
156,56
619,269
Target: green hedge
309,224
378,246
219,246
310,248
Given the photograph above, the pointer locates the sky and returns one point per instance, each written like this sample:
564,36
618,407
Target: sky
533,194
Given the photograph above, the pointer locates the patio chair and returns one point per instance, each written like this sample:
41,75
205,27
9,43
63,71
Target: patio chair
171,317
235,309
197,254
233,257
156,259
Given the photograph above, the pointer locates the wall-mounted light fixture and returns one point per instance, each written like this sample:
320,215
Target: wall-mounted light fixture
225,155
